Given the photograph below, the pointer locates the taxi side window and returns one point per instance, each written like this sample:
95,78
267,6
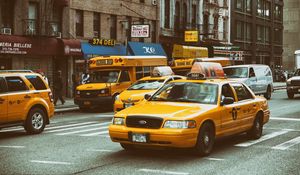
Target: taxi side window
227,91
15,84
124,76
3,87
37,82
242,92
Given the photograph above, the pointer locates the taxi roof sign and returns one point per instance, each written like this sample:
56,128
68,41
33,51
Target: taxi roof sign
203,70
162,71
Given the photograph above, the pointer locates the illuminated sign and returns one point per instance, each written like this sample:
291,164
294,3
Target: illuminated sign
104,62
191,36
140,31
102,42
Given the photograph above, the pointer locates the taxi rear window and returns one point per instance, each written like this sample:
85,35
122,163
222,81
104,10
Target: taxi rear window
3,87
37,82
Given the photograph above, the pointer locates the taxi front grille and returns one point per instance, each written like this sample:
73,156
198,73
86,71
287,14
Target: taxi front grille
295,82
89,94
144,122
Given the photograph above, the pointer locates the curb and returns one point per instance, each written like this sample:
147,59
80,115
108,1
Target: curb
66,109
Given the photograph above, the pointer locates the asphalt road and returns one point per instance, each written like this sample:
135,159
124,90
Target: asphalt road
78,143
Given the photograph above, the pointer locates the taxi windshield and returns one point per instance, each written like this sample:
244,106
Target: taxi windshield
236,72
146,85
109,76
189,92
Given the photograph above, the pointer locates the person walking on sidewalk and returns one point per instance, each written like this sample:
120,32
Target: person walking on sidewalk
58,86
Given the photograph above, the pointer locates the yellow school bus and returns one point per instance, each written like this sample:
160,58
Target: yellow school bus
110,75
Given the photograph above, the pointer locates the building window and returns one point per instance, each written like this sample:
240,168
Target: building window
113,27
97,27
194,16
267,12
243,5
260,8
278,36
185,16
248,6
259,33
278,13
167,14
248,32
79,23
239,5
6,14
239,31
32,18
177,17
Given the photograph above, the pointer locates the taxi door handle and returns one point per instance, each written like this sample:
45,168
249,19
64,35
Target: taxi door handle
27,96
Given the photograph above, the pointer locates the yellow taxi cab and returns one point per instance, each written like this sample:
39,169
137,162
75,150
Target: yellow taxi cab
191,113
25,100
147,85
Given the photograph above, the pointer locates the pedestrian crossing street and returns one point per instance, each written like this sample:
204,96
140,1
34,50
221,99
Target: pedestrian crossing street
96,129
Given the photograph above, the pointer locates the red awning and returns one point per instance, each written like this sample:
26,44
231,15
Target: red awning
19,45
71,47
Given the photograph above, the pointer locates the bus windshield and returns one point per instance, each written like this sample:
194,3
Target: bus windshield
146,85
236,72
109,76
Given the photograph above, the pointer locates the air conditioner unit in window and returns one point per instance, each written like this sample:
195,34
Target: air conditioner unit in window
6,31
154,2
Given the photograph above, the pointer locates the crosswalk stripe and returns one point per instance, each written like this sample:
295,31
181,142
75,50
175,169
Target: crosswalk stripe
78,127
288,144
86,130
263,138
95,134
66,126
15,129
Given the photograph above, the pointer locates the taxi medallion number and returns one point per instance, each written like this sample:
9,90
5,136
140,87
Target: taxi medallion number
140,138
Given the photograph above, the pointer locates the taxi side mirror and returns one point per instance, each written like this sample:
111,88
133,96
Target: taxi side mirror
147,96
227,101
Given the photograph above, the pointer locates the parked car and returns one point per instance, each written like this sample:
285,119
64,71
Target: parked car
25,100
293,84
258,77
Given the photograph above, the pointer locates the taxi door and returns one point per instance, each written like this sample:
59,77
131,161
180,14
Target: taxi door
3,101
229,112
18,96
124,82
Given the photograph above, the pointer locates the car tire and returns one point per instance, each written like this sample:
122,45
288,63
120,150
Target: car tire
256,131
36,121
290,95
126,146
268,94
205,140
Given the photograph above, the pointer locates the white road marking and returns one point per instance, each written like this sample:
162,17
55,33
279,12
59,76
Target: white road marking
287,144
100,150
78,127
163,172
50,162
285,119
94,134
263,138
70,125
283,129
86,130
214,159
8,146
15,129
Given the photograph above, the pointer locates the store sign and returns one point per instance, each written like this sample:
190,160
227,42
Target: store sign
102,42
140,31
14,48
149,50
191,36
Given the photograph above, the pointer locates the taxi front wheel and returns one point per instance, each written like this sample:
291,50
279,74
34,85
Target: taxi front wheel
206,139
35,122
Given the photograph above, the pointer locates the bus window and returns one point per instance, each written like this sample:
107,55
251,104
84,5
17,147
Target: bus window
124,76
139,72
146,71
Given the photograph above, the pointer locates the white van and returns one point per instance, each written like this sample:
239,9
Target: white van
257,76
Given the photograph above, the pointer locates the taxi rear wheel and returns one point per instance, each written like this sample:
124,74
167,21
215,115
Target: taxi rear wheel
206,139
127,146
256,130
36,121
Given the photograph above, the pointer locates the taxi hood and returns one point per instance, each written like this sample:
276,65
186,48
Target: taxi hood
167,109
294,78
135,95
93,86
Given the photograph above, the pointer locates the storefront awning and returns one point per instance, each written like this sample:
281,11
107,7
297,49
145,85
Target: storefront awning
71,47
144,49
19,45
90,51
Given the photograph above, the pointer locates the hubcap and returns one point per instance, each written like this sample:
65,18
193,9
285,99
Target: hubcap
37,121
257,126
206,139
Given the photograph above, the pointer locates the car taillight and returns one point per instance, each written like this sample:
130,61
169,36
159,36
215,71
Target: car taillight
50,96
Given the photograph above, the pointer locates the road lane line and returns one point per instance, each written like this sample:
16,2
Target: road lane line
86,130
78,127
95,134
162,172
287,144
214,159
50,162
10,146
15,129
263,138
70,125
100,150
285,119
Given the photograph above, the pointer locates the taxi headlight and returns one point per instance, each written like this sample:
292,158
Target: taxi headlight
104,91
177,124
117,98
118,121
288,82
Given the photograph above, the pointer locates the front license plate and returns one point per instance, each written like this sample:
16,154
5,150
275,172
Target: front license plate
141,138
127,105
87,103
